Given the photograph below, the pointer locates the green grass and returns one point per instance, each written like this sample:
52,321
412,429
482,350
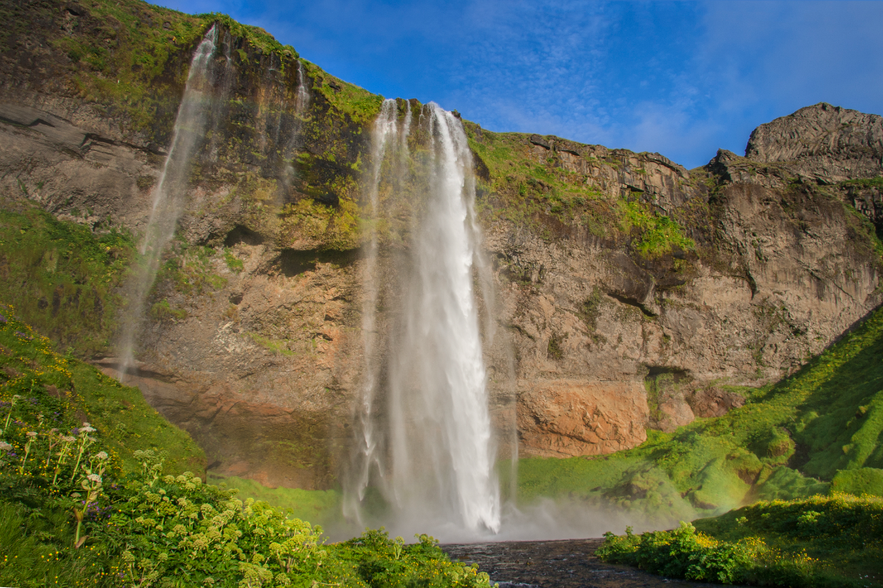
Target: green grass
791,440
63,277
865,182
66,392
28,559
320,507
360,105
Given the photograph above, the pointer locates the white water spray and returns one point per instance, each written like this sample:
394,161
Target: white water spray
425,429
367,443
302,101
169,194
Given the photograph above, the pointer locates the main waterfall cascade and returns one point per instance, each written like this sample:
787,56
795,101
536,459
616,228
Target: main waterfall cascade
194,114
424,427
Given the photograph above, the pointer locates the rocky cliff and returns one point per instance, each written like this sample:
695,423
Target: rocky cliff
632,293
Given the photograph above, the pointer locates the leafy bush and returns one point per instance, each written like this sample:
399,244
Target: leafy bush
682,553
815,542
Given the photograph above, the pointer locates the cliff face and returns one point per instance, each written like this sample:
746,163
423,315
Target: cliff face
780,267
631,291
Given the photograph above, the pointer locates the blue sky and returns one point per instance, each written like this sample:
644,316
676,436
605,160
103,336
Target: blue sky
680,78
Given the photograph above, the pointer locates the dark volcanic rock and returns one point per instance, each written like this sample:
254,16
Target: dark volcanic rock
556,564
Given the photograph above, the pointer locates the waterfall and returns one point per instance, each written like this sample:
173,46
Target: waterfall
294,143
303,96
169,193
367,446
424,425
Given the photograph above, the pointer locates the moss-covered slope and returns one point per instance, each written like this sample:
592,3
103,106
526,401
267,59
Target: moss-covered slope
60,392
812,433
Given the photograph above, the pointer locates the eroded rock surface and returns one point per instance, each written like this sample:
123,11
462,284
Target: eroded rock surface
822,142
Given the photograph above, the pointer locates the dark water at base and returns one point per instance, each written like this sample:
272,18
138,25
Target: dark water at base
556,564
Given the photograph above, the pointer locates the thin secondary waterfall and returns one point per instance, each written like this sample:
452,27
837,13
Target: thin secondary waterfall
367,444
425,427
303,96
169,194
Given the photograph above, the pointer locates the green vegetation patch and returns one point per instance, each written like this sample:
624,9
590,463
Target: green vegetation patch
551,198
859,482
43,390
360,105
126,53
876,182
321,507
656,234
256,37
333,227
191,271
63,276
822,542
525,191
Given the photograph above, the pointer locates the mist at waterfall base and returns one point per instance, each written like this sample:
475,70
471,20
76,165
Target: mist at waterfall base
425,448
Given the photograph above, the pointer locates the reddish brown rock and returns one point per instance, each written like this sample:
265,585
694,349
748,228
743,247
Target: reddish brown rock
562,418
712,402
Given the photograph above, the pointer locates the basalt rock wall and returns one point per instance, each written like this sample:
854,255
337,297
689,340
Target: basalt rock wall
631,292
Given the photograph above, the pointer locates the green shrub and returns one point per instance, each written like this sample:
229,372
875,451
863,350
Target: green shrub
681,553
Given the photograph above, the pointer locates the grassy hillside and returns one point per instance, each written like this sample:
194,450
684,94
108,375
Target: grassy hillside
63,276
43,390
814,432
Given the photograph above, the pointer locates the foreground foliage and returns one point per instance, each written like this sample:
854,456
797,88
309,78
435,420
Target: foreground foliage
816,542
94,504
